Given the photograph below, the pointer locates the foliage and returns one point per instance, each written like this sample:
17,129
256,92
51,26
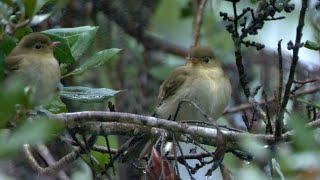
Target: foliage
90,63
74,43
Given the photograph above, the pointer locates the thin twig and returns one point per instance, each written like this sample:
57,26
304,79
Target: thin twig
67,159
44,151
242,75
280,73
197,21
262,102
269,125
292,71
183,161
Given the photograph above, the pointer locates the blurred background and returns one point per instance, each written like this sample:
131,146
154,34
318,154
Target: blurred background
155,36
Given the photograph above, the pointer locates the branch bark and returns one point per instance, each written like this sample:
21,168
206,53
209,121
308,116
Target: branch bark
248,105
294,63
121,122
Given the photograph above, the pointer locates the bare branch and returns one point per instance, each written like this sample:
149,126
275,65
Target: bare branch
53,168
201,134
295,60
249,106
197,21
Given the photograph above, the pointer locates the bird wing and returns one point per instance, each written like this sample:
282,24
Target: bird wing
173,83
12,62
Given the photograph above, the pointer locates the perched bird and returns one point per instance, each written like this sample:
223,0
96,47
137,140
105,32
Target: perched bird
32,63
201,81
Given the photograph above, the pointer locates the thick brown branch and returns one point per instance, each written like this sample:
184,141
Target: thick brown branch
202,134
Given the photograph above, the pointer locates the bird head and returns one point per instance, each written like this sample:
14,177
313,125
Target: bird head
202,56
35,43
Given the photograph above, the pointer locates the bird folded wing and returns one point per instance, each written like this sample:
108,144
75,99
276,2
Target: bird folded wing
12,62
172,83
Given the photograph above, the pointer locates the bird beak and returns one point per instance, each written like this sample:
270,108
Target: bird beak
54,44
194,60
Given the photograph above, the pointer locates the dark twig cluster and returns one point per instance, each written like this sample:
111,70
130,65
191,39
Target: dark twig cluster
297,45
250,21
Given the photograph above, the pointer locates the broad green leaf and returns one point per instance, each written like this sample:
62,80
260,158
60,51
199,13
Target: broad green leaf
7,43
21,32
63,51
39,130
86,94
96,60
29,7
79,39
312,45
12,93
56,106
304,138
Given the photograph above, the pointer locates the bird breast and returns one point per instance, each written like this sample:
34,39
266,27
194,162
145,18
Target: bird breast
210,89
44,76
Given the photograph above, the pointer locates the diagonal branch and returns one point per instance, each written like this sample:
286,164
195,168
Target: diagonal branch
148,40
197,21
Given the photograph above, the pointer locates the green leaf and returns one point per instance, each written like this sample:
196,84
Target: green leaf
29,7
63,51
79,39
304,138
7,43
86,94
96,60
312,45
56,106
12,93
19,33
38,130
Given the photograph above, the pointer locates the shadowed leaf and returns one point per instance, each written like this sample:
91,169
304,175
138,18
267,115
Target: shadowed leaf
95,61
86,94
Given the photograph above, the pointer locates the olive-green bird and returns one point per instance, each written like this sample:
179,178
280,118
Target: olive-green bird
201,81
32,63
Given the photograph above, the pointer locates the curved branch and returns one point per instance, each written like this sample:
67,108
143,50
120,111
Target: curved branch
202,134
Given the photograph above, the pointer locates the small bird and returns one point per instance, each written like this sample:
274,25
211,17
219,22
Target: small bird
32,63
201,81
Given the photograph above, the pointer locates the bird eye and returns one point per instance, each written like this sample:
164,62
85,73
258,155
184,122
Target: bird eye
206,59
38,46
